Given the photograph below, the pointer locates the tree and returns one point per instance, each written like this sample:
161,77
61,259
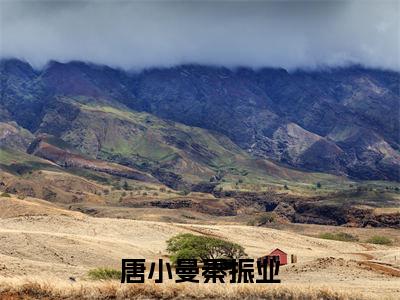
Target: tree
190,246
319,185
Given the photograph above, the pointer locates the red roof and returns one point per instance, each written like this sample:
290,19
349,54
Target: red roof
278,250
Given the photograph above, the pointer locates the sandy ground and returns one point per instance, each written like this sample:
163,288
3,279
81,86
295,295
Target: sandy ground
41,240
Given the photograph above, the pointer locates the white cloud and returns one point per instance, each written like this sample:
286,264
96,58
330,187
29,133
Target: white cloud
135,34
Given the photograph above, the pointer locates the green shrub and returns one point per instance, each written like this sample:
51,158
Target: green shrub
266,217
190,246
5,195
104,274
380,240
251,222
338,236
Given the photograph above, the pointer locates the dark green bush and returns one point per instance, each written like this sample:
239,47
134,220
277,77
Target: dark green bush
190,246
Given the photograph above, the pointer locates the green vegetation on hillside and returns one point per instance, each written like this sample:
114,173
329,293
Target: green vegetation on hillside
104,274
338,236
379,240
20,163
195,154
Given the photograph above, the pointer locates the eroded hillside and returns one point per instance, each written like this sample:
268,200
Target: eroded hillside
342,121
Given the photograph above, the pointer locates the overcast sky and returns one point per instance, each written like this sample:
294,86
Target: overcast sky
135,34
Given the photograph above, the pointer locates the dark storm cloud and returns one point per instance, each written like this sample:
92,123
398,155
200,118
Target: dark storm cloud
135,34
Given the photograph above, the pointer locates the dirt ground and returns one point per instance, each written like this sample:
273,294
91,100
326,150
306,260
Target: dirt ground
41,240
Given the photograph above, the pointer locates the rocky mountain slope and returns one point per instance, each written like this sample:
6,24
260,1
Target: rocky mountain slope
117,162
341,121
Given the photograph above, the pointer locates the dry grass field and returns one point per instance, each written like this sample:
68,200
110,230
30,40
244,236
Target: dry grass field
39,289
42,246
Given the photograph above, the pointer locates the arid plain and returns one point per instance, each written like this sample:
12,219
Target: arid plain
41,242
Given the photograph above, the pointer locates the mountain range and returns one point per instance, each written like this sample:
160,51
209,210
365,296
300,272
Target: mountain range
193,123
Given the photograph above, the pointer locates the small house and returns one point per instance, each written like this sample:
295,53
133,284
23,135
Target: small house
277,252
282,256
